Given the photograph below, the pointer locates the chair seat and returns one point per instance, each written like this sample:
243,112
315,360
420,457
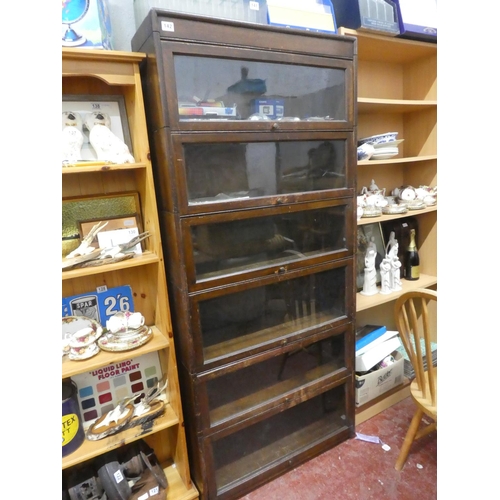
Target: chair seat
425,403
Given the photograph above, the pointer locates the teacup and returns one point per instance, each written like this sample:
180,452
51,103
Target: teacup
82,337
123,321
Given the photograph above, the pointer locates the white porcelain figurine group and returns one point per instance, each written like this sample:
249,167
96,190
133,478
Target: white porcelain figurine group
390,268
373,201
107,146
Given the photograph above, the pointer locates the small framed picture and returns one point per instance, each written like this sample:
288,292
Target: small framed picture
112,105
76,210
365,233
116,231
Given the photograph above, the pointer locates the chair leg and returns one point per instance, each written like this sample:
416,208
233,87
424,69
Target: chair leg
409,438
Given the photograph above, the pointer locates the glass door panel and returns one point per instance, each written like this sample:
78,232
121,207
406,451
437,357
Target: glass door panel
243,170
262,385
237,323
216,88
268,443
224,247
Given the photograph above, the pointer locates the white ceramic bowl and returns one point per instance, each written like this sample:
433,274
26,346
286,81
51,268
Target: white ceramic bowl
365,151
378,139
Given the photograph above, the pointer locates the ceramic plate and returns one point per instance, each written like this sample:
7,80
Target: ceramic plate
371,211
387,144
395,209
383,151
383,156
73,324
115,343
416,205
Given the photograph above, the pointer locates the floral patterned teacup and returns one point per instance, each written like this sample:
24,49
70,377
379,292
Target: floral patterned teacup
122,322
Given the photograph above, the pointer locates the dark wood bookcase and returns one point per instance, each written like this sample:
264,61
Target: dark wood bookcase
254,155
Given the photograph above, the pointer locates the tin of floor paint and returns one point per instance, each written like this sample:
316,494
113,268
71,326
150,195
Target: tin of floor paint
73,433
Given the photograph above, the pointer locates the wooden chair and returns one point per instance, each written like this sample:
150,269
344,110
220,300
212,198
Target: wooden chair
412,321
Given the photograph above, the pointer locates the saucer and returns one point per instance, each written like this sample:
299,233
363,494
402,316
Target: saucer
395,209
72,325
416,205
81,353
133,339
371,211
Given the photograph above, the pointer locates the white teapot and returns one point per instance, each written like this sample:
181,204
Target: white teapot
405,193
375,198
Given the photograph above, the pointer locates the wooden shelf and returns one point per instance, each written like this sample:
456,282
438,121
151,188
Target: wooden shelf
111,66
363,302
92,449
101,73
394,161
138,260
368,105
383,218
104,358
176,487
397,90
381,48
108,167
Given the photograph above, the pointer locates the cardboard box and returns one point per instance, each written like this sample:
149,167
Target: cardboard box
377,16
272,108
418,19
86,28
310,15
370,358
374,384
251,11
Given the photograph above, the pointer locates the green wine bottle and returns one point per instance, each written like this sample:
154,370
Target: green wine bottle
412,259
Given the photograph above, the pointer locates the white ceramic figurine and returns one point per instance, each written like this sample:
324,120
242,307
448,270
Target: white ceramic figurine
72,137
370,281
106,144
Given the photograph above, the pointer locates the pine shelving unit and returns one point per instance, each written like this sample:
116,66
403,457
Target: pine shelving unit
397,91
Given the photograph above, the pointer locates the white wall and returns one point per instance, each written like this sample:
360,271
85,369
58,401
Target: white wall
123,28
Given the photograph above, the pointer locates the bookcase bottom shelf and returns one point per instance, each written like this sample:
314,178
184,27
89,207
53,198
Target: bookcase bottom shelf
91,449
382,402
176,488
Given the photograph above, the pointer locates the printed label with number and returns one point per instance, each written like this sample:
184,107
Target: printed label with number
101,305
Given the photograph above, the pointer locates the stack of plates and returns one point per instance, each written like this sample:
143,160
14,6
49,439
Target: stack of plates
379,139
386,150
